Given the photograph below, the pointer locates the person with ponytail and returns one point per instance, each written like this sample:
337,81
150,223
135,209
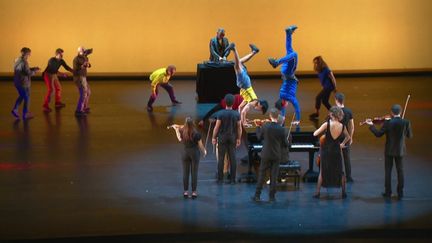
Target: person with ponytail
191,139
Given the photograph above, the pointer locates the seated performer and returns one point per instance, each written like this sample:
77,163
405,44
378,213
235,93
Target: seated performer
50,75
331,166
395,129
328,83
288,89
160,77
218,47
238,99
275,142
250,99
22,81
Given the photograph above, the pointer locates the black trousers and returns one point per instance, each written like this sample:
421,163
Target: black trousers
323,97
346,152
388,164
213,110
190,159
273,166
223,148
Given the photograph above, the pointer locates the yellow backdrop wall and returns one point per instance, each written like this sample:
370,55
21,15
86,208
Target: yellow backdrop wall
141,35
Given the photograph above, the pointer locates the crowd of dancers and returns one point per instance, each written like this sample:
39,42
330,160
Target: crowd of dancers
231,116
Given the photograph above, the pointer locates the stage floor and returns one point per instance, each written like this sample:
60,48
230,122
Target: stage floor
118,171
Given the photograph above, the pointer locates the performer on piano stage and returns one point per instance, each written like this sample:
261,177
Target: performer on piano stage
218,47
395,129
238,99
348,122
328,83
22,82
288,89
80,65
50,76
160,77
331,166
275,142
250,99
191,139
227,134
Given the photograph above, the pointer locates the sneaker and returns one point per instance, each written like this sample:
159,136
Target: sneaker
291,29
314,115
15,114
254,48
80,113
386,195
149,108
273,62
176,102
28,116
46,109
59,105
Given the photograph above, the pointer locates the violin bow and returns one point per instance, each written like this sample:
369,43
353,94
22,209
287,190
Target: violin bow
289,130
208,134
406,104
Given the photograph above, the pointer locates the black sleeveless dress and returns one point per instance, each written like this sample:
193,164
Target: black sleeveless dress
331,159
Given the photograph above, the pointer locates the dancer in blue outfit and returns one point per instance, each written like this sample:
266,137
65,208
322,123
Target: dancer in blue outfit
288,64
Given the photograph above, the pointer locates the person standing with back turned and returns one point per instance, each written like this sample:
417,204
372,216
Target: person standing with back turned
396,130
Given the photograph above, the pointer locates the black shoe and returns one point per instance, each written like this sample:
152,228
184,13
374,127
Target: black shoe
185,195
386,195
176,102
316,195
350,179
254,48
273,62
59,105
400,195
230,47
219,181
256,198
344,195
291,29
314,115
194,195
80,113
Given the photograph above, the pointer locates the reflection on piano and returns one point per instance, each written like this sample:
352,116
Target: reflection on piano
301,141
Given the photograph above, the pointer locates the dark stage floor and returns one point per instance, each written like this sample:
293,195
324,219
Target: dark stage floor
118,171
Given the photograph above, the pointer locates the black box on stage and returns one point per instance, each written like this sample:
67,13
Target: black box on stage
214,81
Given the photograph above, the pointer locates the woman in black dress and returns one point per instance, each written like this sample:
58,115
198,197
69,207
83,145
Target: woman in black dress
331,166
191,139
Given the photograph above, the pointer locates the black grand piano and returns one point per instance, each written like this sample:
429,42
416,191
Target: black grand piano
301,141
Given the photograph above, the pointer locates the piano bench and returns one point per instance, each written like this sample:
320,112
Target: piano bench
290,169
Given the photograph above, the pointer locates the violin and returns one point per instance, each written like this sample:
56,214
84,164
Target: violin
260,122
382,119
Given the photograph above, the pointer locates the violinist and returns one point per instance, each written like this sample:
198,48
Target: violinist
348,122
396,130
274,138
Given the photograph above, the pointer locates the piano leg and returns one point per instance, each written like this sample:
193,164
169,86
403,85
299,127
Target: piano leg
311,175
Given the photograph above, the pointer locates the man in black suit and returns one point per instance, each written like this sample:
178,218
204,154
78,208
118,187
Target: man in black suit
395,129
218,47
274,138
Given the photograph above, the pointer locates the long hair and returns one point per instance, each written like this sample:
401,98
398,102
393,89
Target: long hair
319,64
188,130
